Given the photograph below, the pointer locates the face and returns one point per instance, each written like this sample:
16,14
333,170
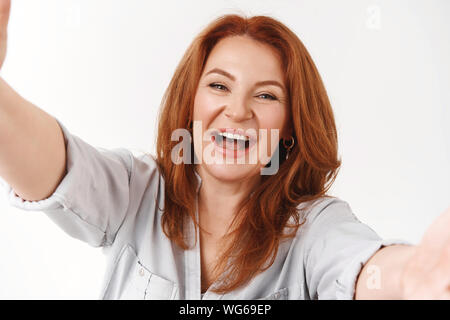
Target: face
241,94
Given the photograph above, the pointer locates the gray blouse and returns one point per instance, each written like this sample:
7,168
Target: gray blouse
113,199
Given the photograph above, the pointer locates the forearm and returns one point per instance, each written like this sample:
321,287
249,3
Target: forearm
380,276
32,150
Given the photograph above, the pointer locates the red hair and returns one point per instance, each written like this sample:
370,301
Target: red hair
312,166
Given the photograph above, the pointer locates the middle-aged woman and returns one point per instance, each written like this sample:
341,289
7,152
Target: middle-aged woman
204,228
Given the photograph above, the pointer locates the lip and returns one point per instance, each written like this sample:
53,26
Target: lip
252,136
234,153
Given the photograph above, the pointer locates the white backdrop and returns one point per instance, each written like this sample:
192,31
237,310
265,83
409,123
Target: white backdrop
101,67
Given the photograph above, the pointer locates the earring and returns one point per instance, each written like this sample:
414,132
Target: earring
288,147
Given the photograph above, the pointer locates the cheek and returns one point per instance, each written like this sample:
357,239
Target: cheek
272,119
205,107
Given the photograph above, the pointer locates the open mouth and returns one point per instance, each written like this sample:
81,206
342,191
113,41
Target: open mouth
230,141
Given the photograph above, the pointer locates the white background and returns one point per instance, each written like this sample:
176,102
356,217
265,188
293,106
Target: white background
102,66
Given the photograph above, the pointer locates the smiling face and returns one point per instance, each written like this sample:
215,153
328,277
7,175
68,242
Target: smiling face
240,92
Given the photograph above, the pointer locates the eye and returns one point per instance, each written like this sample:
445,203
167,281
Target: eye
270,97
218,86
221,87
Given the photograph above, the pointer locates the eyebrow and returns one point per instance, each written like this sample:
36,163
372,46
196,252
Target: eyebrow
233,78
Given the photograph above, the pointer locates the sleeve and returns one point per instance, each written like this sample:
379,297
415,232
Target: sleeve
91,201
337,246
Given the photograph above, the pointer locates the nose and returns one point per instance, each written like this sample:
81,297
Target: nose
238,111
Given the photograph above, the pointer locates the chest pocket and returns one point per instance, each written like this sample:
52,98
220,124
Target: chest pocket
131,280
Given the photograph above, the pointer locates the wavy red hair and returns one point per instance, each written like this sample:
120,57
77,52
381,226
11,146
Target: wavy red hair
307,174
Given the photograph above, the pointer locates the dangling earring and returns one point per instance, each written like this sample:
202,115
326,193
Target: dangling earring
288,147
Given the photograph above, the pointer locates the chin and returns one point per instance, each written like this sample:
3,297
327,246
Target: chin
231,172
215,165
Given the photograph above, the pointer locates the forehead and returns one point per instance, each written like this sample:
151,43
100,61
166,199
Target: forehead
245,57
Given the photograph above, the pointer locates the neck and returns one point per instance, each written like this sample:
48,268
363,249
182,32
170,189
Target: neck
218,200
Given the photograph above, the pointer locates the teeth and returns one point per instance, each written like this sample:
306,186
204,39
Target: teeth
233,136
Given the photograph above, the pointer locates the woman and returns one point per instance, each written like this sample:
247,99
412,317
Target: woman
213,229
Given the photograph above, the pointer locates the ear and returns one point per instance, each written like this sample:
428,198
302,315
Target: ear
287,132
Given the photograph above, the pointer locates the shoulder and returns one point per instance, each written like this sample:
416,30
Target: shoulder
324,214
141,166
144,165
145,157
324,207
330,221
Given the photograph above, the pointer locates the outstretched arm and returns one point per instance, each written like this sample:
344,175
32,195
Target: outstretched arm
410,272
32,150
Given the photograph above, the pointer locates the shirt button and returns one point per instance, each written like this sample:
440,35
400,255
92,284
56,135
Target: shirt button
141,272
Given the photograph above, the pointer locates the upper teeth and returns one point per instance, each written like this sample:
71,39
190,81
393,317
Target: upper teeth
233,136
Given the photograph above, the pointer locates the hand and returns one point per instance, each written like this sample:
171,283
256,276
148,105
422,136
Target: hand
5,6
427,273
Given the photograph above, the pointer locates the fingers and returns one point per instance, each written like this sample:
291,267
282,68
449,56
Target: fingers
437,237
427,279
444,269
5,6
446,294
